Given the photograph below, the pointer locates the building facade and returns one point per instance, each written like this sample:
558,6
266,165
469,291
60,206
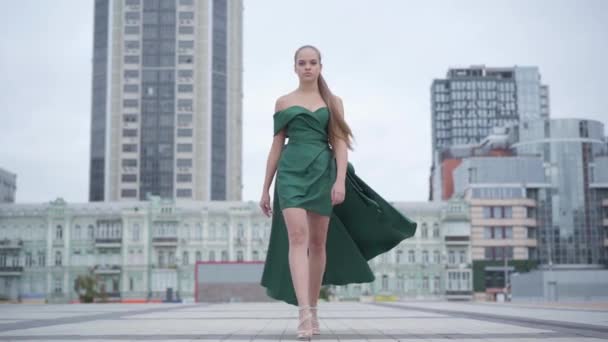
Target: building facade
434,263
167,97
504,194
139,250
573,153
8,186
469,102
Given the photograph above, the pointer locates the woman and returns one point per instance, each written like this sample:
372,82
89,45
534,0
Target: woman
326,222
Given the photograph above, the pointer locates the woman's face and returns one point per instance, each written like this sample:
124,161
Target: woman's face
308,66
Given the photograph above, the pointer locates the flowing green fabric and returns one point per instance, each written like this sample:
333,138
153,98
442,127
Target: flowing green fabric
360,228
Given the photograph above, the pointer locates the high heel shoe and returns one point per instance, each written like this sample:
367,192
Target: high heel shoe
303,332
315,321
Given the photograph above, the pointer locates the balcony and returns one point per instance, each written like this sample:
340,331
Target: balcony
108,242
164,241
107,269
11,244
10,271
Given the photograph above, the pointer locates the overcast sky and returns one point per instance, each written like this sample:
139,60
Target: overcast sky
379,56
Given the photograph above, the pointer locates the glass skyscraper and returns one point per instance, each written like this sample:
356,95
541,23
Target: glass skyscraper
469,102
167,90
574,155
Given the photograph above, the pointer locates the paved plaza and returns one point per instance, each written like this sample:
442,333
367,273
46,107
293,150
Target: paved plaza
405,321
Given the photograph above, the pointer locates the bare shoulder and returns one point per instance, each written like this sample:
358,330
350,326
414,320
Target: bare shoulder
282,102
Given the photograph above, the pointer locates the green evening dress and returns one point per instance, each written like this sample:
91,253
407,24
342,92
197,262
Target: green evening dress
360,228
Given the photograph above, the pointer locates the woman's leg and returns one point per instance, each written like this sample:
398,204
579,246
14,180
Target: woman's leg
298,234
317,259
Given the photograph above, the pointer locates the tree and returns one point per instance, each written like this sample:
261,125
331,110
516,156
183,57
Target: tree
84,285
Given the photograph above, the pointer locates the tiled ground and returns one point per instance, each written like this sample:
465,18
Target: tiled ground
407,321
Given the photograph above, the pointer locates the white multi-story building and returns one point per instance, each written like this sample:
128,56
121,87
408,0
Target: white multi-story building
434,263
166,117
138,250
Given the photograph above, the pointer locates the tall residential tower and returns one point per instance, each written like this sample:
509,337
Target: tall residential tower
167,98
469,102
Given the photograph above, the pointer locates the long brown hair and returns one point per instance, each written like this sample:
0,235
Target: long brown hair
338,128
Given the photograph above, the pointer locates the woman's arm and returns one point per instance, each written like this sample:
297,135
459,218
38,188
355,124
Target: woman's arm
275,152
338,191
341,151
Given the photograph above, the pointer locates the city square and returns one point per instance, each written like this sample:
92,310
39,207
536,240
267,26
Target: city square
403,321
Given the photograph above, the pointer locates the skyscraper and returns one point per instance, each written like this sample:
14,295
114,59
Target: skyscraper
167,90
469,102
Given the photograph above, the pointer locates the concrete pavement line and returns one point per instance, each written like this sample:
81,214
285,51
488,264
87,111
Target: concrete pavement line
581,329
289,337
38,323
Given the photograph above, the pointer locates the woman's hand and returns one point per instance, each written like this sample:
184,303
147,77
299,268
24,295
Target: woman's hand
337,193
265,204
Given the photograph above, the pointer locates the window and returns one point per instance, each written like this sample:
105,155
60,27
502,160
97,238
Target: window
131,73
531,233
211,255
77,232
129,132
185,88
185,74
130,103
186,29
184,192
451,257
425,257
256,256
239,256
58,258
184,147
91,232
497,212
435,230
399,256
58,285
129,163
185,260
136,232
186,15
126,178
59,232
198,256
185,59
224,255
128,193
185,44
411,257
436,284
184,119
184,132
129,147
131,44
436,257
131,30
184,105
498,253
425,283
384,282
131,88
498,233
131,59
184,162
184,177
424,232
462,257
